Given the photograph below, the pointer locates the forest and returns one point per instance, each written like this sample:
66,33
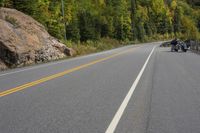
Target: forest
123,20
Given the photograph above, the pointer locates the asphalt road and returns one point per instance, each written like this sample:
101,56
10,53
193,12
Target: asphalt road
133,89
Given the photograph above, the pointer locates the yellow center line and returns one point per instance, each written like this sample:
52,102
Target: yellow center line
45,79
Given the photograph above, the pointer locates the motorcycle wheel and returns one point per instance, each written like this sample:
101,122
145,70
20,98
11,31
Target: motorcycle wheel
185,50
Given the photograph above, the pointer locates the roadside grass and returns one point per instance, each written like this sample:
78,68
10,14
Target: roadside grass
12,21
103,44
88,47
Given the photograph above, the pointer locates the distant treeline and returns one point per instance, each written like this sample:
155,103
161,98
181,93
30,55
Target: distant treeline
118,19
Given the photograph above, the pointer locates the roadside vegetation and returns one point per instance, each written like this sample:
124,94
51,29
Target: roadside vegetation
96,25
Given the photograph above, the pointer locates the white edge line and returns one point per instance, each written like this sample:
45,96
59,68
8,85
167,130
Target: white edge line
111,128
63,61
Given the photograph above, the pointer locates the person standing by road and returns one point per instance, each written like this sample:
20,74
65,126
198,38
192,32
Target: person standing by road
174,43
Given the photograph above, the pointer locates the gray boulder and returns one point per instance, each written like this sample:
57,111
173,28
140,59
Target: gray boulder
24,41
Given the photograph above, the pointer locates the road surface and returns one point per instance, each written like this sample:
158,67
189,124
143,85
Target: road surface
133,89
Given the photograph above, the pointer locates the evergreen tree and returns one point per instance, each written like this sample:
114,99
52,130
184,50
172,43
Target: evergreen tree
119,19
177,20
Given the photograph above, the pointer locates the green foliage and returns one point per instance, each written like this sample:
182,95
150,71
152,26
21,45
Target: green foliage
6,3
1,3
94,46
177,20
123,20
87,26
189,29
12,21
73,31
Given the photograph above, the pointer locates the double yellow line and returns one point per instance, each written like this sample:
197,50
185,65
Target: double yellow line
42,80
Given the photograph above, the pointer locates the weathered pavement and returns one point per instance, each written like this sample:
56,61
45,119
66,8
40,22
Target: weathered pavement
85,100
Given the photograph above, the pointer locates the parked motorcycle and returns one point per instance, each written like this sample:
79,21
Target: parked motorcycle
180,46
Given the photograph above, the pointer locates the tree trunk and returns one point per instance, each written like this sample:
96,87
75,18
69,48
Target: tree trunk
133,16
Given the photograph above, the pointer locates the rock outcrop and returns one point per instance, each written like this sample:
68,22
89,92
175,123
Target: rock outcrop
24,41
2,65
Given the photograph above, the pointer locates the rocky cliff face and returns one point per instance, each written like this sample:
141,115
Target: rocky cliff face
24,41
2,65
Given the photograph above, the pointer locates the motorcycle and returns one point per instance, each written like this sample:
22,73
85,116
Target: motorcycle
180,46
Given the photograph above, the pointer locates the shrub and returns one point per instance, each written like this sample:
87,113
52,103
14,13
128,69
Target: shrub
12,21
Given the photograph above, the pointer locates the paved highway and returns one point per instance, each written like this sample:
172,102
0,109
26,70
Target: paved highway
133,89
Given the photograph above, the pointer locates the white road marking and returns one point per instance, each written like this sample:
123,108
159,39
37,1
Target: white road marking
31,68
111,128
59,62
